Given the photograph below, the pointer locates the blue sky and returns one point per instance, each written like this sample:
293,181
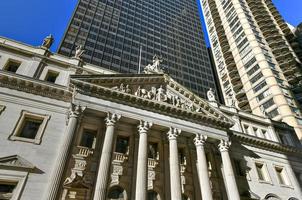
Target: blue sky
30,21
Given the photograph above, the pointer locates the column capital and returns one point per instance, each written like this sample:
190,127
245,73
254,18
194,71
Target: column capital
75,111
224,145
112,118
144,126
200,140
173,133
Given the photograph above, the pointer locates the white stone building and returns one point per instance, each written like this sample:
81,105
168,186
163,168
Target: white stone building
69,130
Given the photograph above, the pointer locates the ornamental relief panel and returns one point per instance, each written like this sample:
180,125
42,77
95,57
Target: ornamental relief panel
160,93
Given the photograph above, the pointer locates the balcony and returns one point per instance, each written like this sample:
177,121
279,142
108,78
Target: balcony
240,94
238,87
119,157
243,102
152,163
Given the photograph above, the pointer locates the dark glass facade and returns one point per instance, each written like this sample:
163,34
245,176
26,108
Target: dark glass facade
113,32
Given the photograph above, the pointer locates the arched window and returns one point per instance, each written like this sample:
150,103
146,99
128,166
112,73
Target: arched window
116,193
272,197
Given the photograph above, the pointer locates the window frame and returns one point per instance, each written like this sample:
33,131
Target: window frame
15,136
10,60
284,174
266,175
14,176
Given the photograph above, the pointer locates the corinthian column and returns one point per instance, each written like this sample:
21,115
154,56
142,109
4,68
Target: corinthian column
66,142
141,174
229,177
175,183
105,161
202,167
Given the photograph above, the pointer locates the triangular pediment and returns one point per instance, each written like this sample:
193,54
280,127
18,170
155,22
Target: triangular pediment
156,92
15,162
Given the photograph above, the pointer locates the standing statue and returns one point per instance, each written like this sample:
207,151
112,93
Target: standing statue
79,52
48,41
161,95
210,95
231,101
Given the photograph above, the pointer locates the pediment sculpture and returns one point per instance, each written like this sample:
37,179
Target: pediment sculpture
155,92
155,67
159,94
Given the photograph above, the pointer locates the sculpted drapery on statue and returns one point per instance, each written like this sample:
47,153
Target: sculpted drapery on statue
48,41
155,67
211,95
79,52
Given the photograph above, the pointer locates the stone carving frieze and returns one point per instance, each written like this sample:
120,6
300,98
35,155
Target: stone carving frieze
159,94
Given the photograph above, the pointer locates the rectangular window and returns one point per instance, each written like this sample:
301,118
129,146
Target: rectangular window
122,145
30,127
256,78
261,172
250,63
88,138
253,70
273,113
51,76
281,174
268,104
153,151
264,94
7,189
12,66
259,86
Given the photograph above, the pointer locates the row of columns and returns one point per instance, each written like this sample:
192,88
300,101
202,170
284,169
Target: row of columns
141,181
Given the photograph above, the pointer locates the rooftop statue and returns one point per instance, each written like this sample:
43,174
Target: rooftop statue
210,95
154,68
48,41
79,52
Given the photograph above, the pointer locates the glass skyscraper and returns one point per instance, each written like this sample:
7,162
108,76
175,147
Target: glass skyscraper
115,32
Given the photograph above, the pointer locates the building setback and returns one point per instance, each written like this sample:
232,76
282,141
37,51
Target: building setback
115,33
256,64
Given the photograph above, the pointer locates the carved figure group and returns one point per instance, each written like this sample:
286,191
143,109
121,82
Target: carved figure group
154,68
160,94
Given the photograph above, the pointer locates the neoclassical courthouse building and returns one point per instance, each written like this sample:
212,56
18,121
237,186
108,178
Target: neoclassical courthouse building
69,130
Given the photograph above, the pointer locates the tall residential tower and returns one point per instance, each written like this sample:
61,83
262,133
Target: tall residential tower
115,33
256,64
